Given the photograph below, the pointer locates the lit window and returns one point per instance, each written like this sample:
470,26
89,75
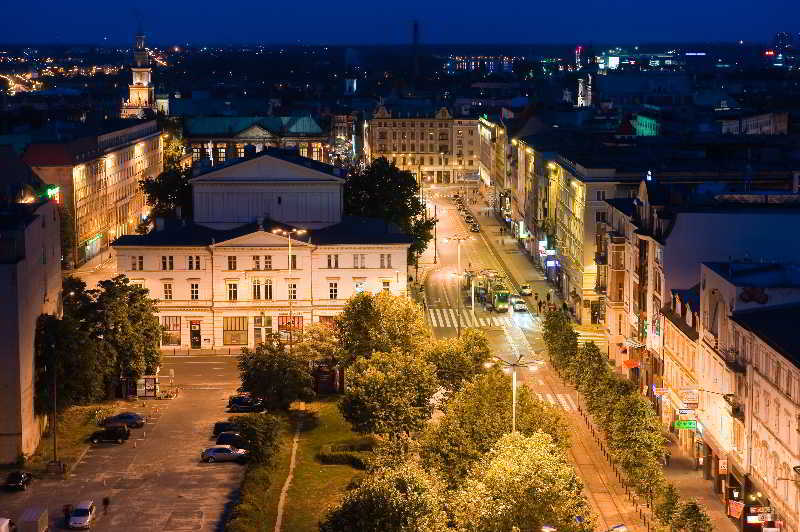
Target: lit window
262,328
172,330
234,330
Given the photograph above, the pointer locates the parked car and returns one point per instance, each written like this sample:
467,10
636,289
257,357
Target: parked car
469,219
7,525
83,515
234,439
238,397
520,306
475,228
130,419
223,453
526,290
246,404
18,480
224,426
112,433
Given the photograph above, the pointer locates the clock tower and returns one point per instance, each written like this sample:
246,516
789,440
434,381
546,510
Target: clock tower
140,91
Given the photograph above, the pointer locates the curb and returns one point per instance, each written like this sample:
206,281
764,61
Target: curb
77,461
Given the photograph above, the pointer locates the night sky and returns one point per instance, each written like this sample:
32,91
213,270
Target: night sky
372,22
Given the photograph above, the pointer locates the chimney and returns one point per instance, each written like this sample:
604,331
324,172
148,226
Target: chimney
159,223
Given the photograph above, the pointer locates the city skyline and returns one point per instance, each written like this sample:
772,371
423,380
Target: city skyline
319,23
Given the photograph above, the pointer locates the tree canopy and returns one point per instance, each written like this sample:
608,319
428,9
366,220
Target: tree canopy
380,322
382,190
522,483
459,359
104,334
477,416
400,499
275,375
389,393
167,191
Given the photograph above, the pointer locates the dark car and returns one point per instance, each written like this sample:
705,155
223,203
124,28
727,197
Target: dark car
129,419
234,439
245,404
18,480
238,397
475,228
112,433
224,426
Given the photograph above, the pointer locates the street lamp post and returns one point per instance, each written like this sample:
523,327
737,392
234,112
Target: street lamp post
459,239
288,233
520,362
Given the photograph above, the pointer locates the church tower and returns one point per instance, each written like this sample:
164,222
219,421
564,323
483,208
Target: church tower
140,91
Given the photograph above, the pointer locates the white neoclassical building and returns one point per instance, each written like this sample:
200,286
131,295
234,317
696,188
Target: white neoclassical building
226,279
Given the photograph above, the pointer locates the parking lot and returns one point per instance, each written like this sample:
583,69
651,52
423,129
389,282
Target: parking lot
155,480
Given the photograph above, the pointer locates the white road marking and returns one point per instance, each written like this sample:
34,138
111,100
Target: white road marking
563,402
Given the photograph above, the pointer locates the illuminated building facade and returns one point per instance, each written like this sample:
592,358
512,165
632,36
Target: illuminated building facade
225,279
98,174
434,146
218,139
141,96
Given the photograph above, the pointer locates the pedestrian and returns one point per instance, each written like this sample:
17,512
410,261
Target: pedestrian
667,456
548,297
67,509
106,503
541,304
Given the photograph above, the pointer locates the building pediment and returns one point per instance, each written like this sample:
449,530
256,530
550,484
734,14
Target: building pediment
255,131
266,169
260,239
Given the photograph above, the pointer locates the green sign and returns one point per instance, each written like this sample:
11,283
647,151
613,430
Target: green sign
689,424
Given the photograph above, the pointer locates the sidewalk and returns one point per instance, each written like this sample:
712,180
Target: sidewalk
690,484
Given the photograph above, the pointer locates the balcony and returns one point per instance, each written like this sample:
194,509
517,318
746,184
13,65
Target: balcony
737,408
734,361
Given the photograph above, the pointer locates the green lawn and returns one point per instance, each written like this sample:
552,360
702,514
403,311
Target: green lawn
316,486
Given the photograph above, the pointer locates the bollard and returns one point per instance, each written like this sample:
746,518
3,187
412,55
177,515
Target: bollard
144,435
134,444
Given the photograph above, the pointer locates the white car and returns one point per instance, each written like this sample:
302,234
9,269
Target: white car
520,306
223,453
82,515
525,290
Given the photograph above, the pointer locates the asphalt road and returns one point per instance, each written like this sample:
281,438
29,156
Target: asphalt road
155,480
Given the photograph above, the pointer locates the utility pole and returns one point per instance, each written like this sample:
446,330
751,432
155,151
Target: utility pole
435,248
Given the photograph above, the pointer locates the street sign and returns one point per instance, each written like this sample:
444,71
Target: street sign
723,467
688,424
690,396
686,412
659,391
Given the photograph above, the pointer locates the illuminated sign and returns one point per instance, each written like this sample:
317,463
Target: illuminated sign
687,424
769,53
695,53
52,191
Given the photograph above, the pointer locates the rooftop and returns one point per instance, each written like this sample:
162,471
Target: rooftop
776,326
228,126
768,274
351,230
290,156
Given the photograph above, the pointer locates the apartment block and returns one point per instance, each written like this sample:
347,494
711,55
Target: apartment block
431,144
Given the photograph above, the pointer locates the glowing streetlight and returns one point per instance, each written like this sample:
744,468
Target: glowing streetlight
532,365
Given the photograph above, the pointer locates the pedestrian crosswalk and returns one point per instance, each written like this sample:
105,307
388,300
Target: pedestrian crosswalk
599,338
559,400
444,318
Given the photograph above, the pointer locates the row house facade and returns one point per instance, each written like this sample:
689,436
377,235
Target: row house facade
747,387
97,174
431,144
268,251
